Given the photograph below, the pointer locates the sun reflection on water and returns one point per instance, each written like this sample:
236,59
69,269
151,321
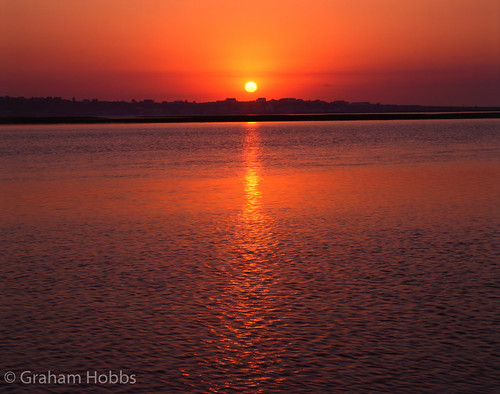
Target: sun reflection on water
249,341
253,232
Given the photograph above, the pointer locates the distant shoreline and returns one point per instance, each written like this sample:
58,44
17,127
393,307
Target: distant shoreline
247,118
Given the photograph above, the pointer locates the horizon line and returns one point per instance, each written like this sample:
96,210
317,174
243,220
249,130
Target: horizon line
234,100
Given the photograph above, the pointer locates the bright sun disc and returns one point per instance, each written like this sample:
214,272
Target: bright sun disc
251,87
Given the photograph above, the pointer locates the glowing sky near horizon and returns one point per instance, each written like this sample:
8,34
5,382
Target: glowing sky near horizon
439,52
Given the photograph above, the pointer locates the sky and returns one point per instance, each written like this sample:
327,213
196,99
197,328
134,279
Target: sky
429,52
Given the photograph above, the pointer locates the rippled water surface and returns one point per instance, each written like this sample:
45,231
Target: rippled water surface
253,257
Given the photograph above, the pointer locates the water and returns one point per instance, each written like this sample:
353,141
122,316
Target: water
252,257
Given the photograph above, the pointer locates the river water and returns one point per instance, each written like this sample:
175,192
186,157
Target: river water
251,257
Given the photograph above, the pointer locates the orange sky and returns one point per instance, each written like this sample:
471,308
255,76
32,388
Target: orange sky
388,51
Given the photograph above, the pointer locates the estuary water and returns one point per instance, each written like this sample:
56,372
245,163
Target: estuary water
251,257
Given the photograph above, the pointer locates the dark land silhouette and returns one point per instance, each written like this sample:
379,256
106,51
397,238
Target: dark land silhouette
59,110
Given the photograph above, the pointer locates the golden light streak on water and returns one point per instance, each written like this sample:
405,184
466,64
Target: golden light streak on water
247,308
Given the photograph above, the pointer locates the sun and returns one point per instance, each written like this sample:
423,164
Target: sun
250,87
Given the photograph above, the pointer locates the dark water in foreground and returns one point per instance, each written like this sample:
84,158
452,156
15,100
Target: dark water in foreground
302,257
